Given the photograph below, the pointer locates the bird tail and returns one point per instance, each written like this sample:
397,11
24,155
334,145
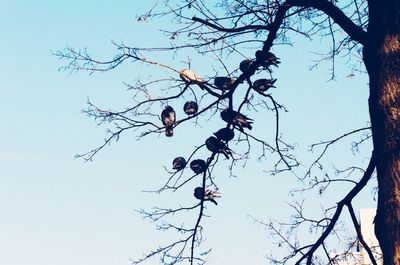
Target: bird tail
226,153
201,85
240,127
213,201
169,132
216,194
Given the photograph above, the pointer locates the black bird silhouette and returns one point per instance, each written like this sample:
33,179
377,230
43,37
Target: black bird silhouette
237,119
267,59
225,134
198,166
207,195
190,107
168,118
245,65
223,82
216,146
262,85
179,163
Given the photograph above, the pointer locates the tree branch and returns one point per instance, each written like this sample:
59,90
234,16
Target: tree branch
355,32
347,200
359,235
222,29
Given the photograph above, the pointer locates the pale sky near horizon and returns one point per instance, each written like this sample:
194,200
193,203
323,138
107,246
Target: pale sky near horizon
57,210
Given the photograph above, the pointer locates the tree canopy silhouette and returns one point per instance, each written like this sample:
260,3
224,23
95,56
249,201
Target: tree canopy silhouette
367,31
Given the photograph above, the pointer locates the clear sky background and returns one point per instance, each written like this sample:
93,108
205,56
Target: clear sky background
57,210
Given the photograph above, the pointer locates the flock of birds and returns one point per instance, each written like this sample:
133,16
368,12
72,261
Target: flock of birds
217,144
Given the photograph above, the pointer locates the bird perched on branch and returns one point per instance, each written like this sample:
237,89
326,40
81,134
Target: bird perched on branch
189,76
245,65
168,118
262,85
223,83
217,146
207,195
225,134
190,107
267,59
179,163
198,166
237,119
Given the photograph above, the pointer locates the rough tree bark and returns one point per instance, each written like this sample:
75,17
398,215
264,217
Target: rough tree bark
382,60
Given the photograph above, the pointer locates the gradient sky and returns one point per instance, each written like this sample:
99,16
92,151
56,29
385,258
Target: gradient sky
57,210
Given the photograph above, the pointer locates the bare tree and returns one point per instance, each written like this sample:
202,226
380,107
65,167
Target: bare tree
223,29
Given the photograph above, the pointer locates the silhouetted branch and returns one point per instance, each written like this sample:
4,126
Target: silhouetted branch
345,201
359,235
236,29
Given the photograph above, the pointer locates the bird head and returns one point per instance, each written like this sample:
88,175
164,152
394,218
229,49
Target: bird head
190,107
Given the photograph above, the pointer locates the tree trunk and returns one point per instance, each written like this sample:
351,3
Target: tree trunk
382,60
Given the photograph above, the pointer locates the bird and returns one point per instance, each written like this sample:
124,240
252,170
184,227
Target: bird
189,76
262,85
168,118
225,134
267,59
198,166
223,83
190,107
245,65
216,146
237,119
178,163
207,195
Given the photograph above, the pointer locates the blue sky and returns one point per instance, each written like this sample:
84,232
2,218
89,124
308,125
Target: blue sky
59,210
